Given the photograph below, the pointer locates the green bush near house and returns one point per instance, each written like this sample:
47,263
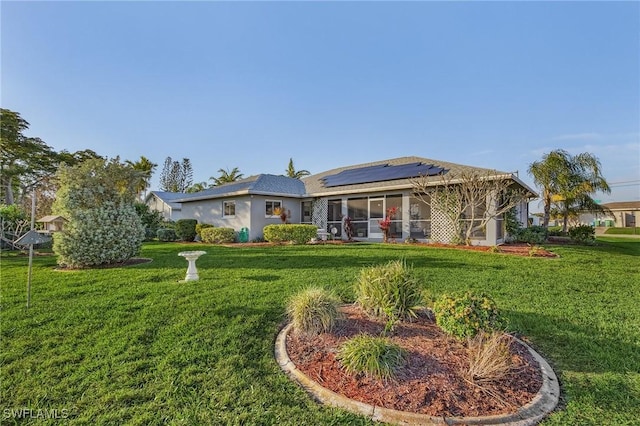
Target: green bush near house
583,234
294,233
218,235
532,235
186,229
201,226
166,235
465,315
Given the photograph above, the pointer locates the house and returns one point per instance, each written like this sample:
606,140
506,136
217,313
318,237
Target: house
362,192
51,224
625,214
163,202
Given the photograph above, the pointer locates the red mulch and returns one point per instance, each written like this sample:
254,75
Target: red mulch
432,381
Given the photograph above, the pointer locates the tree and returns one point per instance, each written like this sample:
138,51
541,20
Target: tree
296,174
226,176
97,199
176,176
568,182
23,160
145,169
196,187
470,200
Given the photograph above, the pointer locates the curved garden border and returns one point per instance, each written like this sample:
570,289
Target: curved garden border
542,404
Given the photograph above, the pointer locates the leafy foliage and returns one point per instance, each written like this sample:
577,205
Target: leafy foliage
489,357
201,226
186,229
296,174
226,176
531,235
218,235
176,176
373,356
151,220
584,234
466,315
390,291
166,234
294,233
313,311
97,199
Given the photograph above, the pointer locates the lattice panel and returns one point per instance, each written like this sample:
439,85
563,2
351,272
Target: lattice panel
442,230
320,213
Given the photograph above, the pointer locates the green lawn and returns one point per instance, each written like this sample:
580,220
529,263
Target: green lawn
133,345
622,231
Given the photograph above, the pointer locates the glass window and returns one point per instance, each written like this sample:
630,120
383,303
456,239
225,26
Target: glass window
358,209
334,216
271,207
228,208
419,219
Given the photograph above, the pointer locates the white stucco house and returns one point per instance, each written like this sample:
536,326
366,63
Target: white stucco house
362,192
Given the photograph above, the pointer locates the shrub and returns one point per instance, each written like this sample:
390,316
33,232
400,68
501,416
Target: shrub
313,311
201,226
584,234
218,235
373,356
388,291
186,229
151,220
164,234
532,235
489,357
297,234
466,315
107,234
556,231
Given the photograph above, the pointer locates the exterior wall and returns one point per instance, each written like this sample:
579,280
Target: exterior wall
210,211
165,209
258,213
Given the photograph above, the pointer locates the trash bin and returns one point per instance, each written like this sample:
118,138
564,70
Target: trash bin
243,235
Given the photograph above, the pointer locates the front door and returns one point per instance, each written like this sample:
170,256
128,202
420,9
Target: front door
376,214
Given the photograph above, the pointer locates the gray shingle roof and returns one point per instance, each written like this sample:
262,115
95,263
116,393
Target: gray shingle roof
263,184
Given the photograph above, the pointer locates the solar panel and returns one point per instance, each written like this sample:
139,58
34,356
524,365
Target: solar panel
380,173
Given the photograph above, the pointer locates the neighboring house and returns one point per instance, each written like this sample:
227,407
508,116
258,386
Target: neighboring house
363,192
624,214
164,202
51,224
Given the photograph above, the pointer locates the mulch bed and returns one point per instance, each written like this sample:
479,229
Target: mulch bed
432,382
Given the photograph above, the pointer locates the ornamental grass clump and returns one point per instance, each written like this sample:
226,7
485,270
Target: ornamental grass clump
389,291
489,357
373,356
466,315
313,311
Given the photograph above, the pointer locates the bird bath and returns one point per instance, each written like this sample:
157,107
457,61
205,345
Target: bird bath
192,256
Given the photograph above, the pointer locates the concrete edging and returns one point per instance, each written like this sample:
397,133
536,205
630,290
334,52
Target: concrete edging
542,404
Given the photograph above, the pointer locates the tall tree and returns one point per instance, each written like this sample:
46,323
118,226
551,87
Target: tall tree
145,169
568,182
226,176
296,174
176,176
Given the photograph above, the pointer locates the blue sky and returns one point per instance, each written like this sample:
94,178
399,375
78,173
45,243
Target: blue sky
251,84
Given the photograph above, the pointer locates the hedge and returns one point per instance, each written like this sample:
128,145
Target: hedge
217,235
186,229
297,234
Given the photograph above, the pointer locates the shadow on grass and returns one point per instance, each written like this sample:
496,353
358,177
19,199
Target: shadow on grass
576,347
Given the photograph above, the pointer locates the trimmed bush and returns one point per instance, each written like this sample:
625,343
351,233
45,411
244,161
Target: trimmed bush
164,234
584,234
313,311
297,234
389,291
373,356
201,226
466,315
218,235
532,235
186,229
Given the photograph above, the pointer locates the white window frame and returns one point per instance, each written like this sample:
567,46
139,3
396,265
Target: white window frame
224,208
273,208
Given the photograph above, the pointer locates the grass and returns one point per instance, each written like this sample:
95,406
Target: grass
622,231
133,345
374,356
313,311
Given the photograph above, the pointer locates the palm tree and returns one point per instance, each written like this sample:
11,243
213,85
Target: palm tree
145,169
296,174
226,176
568,182
196,187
